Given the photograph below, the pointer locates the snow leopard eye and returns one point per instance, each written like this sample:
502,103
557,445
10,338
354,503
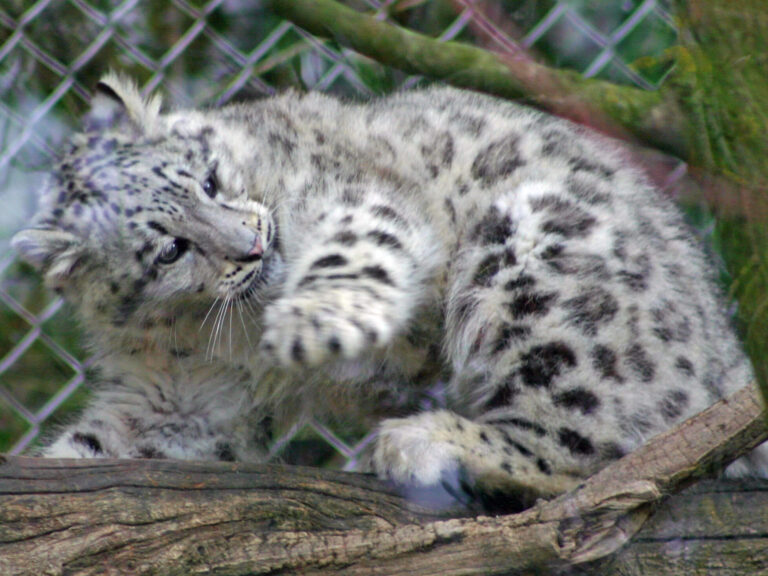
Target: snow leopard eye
211,185
172,251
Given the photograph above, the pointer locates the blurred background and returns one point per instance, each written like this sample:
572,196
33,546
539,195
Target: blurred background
52,53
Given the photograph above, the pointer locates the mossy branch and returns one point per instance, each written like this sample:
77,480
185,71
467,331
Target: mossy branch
651,117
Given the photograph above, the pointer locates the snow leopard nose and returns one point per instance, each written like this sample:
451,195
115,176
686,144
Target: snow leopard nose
256,252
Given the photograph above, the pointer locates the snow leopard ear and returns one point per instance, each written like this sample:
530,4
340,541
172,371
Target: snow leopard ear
118,104
55,253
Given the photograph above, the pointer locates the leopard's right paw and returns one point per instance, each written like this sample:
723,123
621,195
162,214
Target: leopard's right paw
311,328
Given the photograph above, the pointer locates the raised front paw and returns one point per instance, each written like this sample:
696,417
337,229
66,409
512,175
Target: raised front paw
310,328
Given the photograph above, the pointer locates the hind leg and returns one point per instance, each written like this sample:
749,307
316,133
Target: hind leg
185,420
518,371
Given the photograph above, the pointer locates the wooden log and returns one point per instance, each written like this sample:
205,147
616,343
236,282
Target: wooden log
88,517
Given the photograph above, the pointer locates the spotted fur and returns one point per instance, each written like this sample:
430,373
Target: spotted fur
258,260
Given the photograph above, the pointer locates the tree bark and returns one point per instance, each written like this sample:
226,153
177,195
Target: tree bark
88,517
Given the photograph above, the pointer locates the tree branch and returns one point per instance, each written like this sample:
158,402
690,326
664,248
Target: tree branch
171,517
624,111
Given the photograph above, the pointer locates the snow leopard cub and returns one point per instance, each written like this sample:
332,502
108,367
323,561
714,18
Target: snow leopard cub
250,262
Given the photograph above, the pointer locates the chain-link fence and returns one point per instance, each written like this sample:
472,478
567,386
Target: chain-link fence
53,51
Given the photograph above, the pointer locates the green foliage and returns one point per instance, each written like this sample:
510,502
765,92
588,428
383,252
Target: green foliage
722,86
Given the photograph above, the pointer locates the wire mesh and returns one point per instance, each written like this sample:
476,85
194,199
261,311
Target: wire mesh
53,51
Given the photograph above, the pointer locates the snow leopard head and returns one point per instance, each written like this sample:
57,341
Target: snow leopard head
146,216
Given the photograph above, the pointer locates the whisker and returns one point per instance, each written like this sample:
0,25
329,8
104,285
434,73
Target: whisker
230,306
220,324
242,321
214,332
208,314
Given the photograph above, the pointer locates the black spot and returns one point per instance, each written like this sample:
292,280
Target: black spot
334,345
552,251
307,280
521,423
451,209
498,160
637,360
377,273
669,324
141,252
604,360
589,266
438,153
587,188
575,442
520,282
640,422
568,219
516,445
349,276
673,404
620,245
371,336
473,125
577,398
541,364
713,377
494,228
636,277
225,452
582,164
543,466
297,351
532,304
593,308
611,451
487,269
509,334
150,453
685,366
505,394
351,197
345,237
128,305
552,203
330,261
389,214
89,441
157,227
575,224
385,239
484,438
281,142
556,142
